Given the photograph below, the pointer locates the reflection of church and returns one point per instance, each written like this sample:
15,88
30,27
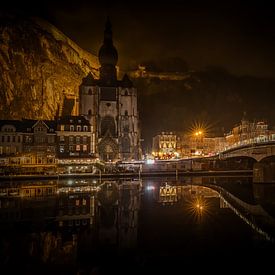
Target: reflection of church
111,107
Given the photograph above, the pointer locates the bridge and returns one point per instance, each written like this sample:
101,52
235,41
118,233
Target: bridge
258,151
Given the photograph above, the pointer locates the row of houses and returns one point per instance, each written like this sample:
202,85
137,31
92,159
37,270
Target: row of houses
168,145
40,142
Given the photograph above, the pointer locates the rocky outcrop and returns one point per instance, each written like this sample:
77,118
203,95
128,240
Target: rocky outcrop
39,68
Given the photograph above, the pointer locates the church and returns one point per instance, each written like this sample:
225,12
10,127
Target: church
110,105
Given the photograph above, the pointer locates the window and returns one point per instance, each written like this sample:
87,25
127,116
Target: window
71,148
61,138
85,128
71,128
78,128
77,139
3,138
13,139
84,147
71,139
77,148
108,125
62,127
50,139
8,138
61,148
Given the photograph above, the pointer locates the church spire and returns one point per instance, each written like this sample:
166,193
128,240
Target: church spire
108,57
108,34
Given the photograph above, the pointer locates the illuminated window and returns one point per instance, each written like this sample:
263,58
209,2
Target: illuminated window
84,147
84,202
61,149
77,202
62,127
77,148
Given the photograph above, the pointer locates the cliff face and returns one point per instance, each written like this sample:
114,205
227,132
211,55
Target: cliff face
40,68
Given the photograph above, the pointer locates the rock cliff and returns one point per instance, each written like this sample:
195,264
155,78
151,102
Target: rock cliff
40,68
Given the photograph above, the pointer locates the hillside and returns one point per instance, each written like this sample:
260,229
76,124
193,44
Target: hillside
39,67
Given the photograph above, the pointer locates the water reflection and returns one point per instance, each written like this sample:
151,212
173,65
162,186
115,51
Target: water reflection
78,227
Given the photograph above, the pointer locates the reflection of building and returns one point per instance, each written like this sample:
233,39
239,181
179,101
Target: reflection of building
75,209
129,204
111,107
107,213
168,194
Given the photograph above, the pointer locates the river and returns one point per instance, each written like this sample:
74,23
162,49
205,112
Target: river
130,226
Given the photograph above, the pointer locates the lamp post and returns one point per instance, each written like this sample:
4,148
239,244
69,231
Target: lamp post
199,141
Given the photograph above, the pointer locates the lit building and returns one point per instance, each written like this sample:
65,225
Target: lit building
164,145
74,137
248,132
111,107
10,137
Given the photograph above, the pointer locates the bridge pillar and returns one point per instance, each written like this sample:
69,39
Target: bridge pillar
264,172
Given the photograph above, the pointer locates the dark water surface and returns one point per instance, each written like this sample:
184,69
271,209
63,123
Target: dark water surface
157,226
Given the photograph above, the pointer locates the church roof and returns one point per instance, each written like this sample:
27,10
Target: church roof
126,82
88,80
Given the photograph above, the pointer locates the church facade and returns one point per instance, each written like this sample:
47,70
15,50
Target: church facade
111,107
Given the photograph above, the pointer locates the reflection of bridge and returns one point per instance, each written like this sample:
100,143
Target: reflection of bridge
235,204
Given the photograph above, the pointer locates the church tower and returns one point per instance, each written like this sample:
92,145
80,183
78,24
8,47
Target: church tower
111,107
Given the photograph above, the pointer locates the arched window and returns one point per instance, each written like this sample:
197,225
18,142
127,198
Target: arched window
126,145
108,125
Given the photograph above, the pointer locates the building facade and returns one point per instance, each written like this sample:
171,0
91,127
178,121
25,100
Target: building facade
111,107
74,137
165,145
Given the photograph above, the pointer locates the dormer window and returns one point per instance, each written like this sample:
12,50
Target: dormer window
78,128
85,128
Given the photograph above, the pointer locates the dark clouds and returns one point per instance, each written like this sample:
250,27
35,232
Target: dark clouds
237,36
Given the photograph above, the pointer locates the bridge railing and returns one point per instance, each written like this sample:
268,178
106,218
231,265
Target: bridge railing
252,141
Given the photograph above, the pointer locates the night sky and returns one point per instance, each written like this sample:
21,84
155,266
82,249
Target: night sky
226,34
